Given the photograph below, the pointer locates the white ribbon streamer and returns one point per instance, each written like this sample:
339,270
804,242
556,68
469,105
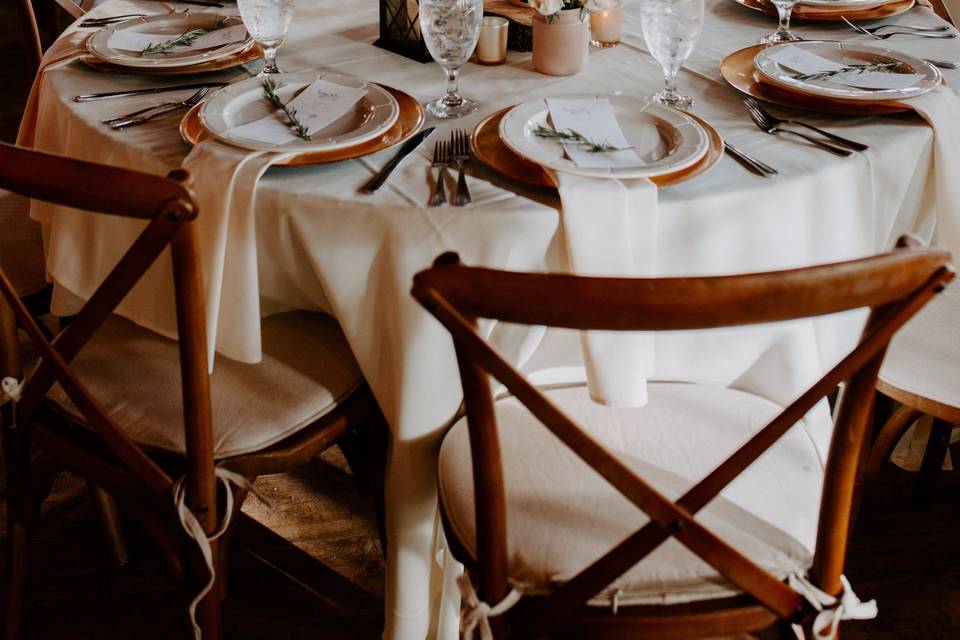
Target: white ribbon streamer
10,389
476,613
193,528
832,611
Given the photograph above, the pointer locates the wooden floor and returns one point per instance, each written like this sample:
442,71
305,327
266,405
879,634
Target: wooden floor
908,558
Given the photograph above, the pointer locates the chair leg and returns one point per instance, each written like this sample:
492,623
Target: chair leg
106,509
933,457
886,441
19,512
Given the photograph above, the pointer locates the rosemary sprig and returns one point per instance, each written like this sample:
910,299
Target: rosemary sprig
857,69
185,39
270,89
572,137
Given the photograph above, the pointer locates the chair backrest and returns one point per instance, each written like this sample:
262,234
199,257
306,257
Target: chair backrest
167,209
31,30
893,285
21,244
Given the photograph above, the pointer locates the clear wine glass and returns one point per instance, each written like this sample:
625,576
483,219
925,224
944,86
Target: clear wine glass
671,29
451,29
268,22
783,33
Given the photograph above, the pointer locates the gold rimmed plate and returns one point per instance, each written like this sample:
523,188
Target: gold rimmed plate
409,121
489,149
832,14
738,69
246,56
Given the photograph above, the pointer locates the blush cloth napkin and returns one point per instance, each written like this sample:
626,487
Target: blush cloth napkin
621,217
64,51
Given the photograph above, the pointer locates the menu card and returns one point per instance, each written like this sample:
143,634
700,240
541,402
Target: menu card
594,119
805,62
129,40
317,106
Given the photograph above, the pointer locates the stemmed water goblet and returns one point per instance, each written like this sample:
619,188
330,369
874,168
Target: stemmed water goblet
671,29
450,29
783,33
268,22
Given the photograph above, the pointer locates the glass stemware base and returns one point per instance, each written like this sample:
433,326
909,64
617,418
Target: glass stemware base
780,36
673,98
451,106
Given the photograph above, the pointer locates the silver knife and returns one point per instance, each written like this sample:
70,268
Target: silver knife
377,181
87,97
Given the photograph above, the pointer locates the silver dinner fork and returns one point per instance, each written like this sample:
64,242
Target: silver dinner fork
145,115
941,27
104,22
773,129
460,154
441,158
772,121
890,34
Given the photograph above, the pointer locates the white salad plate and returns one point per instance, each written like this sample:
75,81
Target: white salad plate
853,5
244,102
172,25
665,139
847,53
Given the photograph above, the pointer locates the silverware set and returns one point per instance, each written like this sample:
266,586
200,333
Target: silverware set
760,168
96,23
454,151
145,115
90,97
941,31
770,124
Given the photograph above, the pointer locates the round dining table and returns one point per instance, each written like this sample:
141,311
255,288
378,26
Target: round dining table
315,242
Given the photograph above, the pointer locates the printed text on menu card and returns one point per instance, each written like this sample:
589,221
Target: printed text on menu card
593,118
129,40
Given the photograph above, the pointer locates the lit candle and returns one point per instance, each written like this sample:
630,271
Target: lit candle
605,24
492,45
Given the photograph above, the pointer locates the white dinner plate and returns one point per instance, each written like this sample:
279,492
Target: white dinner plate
172,24
847,53
840,5
244,102
665,140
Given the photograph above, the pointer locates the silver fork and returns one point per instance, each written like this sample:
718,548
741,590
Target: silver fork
890,34
773,129
459,154
103,22
941,27
441,157
144,115
772,121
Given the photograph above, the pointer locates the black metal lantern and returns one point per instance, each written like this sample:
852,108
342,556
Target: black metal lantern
400,29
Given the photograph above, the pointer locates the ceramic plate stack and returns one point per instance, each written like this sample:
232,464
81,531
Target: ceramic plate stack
382,118
835,10
672,145
756,72
118,47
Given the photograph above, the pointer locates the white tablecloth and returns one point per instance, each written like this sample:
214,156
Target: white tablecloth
320,245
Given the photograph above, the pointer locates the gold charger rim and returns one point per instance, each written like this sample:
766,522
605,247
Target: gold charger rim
826,15
410,121
738,70
487,147
246,56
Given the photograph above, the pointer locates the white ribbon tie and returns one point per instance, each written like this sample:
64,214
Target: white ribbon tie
475,613
10,389
832,611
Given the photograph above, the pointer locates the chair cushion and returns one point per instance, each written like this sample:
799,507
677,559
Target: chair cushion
562,516
307,368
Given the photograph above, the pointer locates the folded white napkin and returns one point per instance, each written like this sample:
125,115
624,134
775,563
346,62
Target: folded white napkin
224,182
941,109
610,228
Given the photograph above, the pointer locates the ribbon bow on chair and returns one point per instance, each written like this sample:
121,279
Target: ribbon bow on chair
476,613
832,611
10,389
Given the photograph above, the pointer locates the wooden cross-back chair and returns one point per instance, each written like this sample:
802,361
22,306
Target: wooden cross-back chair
30,29
104,365
520,475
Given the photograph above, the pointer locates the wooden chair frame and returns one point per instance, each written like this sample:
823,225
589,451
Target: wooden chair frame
893,285
103,453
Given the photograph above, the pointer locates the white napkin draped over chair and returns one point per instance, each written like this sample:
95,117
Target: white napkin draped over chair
608,213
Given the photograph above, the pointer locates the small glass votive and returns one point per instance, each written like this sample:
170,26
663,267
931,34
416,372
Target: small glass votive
605,24
492,45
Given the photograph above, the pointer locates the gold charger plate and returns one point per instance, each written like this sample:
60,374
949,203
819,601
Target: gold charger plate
820,14
737,69
488,148
228,62
412,117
